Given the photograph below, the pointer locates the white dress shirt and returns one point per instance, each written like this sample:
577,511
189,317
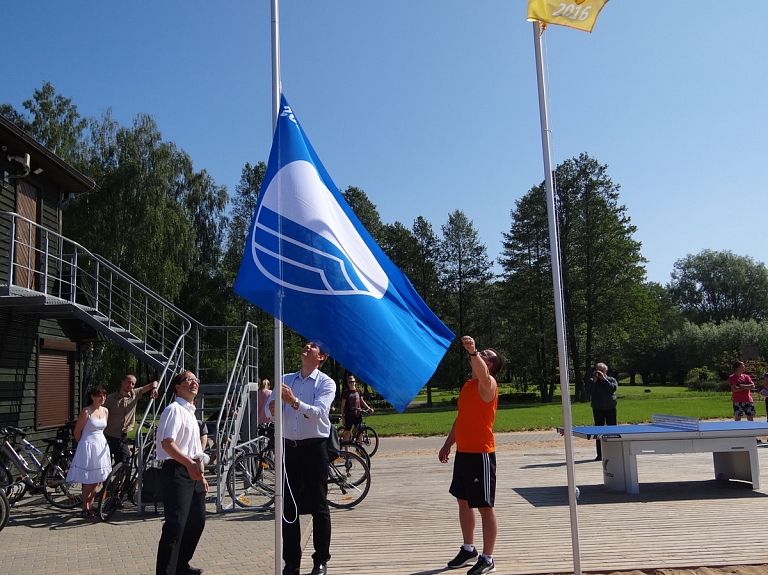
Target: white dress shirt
178,423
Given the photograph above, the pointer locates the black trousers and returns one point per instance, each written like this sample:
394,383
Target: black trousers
184,510
306,471
603,417
118,446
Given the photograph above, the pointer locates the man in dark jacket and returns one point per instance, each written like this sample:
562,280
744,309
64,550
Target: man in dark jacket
602,390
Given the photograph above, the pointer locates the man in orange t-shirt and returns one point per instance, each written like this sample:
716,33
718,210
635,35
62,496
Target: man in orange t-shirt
474,468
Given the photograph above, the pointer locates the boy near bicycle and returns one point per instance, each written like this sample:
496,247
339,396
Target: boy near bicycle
351,402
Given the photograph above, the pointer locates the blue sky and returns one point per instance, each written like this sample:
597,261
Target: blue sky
431,105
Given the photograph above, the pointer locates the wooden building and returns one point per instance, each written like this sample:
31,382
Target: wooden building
40,344
57,298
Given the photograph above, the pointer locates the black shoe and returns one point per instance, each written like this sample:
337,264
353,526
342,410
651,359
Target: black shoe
482,566
319,570
290,570
463,558
190,571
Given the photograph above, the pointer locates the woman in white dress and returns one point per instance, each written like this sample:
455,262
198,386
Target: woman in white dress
92,462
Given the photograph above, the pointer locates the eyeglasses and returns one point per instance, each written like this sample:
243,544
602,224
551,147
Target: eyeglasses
486,355
191,380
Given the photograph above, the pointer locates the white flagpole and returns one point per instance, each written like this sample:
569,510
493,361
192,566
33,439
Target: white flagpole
278,376
554,247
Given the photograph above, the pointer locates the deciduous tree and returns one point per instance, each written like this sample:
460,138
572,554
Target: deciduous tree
53,121
720,285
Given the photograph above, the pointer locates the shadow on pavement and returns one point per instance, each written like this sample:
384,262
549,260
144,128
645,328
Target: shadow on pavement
649,492
556,464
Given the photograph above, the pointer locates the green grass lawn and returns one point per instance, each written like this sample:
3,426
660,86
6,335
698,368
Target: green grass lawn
635,406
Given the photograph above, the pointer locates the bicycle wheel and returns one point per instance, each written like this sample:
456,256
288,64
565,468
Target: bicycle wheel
58,491
14,490
110,497
370,440
5,475
5,509
349,480
251,481
357,449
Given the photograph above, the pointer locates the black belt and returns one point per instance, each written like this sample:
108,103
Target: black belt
302,442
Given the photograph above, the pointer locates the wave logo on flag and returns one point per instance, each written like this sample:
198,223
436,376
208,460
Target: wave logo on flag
312,264
309,257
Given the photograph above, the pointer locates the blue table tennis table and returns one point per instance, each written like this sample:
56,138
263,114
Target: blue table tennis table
733,445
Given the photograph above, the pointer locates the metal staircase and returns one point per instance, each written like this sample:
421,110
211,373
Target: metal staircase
45,273
49,274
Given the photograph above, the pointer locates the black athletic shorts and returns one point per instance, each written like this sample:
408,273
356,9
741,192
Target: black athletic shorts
474,478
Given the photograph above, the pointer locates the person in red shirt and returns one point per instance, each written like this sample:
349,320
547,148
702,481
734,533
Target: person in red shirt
474,468
741,392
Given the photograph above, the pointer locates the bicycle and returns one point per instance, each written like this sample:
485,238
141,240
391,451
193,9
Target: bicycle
365,435
123,480
251,479
47,475
351,444
349,480
5,509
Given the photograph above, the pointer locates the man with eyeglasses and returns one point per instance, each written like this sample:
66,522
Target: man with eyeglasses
182,482
474,467
122,415
307,396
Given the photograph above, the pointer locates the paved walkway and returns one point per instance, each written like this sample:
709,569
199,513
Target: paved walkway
407,525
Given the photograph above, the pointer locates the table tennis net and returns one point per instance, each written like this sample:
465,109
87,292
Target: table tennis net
676,422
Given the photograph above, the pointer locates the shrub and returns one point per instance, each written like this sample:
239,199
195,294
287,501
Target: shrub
709,386
517,397
699,375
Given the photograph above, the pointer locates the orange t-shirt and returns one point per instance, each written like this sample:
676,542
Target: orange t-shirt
474,424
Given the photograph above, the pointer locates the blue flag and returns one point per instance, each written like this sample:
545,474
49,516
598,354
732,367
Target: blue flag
310,262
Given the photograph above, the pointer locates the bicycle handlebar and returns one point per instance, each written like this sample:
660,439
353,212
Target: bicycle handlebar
11,431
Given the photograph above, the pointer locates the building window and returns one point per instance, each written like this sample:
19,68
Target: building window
55,388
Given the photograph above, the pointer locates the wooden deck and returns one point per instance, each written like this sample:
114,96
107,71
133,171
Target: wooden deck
682,517
408,523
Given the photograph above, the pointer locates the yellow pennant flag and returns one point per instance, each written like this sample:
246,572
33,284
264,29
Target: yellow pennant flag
579,14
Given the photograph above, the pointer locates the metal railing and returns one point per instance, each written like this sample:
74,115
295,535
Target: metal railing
236,424
41,261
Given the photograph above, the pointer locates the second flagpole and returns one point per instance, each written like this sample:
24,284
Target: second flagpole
554,247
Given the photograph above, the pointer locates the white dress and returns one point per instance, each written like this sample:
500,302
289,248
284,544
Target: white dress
92,462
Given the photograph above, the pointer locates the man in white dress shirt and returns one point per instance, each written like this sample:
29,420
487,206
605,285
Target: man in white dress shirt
181,478
307,396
